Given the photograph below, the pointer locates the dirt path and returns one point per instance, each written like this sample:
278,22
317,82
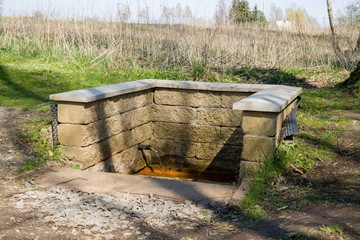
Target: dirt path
322,204
14,224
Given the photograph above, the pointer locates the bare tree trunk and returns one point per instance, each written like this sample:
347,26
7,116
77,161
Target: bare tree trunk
353,78
331,22
357,46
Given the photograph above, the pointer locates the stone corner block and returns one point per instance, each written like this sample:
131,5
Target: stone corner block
258,148
80,113
261,123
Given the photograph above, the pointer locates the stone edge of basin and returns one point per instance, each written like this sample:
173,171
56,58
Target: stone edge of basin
273,99
266,98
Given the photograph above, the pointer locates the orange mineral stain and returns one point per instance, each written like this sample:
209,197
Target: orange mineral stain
169,173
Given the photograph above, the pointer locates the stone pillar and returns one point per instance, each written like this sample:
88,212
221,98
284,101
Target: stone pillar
263,116
261,132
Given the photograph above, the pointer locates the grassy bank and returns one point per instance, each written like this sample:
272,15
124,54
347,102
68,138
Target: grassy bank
325,118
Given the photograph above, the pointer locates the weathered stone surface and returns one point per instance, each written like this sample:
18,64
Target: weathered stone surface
207,150
127,102
82,113
229,98
102,92
103,166
174,148
231,136
136,117
175,114
187,98
273,99
141,134
220,152
257,148
84,135
128,161
261,123
219,117
97,152
187,132
181,163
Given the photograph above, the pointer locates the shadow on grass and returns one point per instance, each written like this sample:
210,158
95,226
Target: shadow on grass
28,89
269,76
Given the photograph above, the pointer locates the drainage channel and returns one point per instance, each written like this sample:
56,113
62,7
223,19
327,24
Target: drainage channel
177,172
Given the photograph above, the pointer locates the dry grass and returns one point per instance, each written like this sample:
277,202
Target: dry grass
167,46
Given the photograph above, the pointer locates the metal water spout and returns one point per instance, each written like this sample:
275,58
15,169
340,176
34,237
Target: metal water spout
144,147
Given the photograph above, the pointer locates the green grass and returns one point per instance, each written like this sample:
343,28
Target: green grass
75,166
42,151
322,118
332,229
271,169
28,82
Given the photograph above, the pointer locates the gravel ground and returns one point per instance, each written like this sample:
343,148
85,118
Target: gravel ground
102,215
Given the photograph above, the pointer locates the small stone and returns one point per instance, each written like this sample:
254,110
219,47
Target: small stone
109,236
147,233
50,153
95,229
86,231
282,188
231,228
291,234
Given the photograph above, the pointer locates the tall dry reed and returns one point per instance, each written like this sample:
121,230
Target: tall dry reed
168,46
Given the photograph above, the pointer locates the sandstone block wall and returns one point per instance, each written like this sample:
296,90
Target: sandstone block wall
195,127
109,129
198,130
262,134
